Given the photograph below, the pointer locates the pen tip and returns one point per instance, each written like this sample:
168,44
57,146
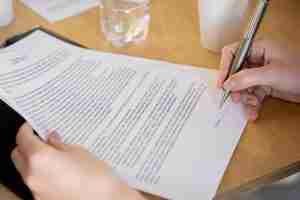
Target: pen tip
221,104
223,100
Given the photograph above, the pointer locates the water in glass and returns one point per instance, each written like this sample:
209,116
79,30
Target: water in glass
125,21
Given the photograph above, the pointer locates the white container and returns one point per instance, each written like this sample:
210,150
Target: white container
6,12
221,22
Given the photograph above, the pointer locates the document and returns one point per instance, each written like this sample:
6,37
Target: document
56,10
156,124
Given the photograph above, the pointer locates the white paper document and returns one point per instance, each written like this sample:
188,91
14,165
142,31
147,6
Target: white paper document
156,124
55,10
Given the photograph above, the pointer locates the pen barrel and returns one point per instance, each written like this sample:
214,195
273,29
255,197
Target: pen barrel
256,20
239,57
245,45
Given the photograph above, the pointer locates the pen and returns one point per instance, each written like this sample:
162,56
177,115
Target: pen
244,47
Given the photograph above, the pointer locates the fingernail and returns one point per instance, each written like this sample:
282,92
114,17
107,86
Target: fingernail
55,136
254,116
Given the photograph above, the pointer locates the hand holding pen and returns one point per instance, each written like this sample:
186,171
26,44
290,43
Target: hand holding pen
243,50
271,69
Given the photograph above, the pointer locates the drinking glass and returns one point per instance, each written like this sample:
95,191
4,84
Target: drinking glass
125,21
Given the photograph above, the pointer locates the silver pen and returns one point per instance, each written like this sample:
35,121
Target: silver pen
243,50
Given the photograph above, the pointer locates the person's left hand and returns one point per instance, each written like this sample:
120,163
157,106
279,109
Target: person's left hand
54,170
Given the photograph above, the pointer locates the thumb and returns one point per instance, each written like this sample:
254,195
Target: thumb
249,78
28,143
19,161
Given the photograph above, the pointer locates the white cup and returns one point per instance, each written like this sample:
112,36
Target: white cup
6,12
221,22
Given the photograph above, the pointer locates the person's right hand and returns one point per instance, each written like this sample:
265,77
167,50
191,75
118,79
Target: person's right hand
270,70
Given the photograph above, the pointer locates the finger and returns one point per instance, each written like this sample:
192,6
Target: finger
227,56
19,162
236,97
250,99
256,58
28,143
250,90
54,140
261,93
252,112
248,78
257,54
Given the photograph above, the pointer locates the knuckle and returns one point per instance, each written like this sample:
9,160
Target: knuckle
267,42
244,77
236,79
227,49
245,80
264,43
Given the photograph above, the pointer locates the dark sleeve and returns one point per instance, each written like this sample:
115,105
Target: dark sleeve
10,121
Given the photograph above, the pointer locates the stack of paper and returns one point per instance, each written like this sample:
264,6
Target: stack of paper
156,123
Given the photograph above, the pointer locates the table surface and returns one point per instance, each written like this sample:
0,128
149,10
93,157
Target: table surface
269,148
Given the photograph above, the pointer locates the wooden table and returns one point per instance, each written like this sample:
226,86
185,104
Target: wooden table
269,148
